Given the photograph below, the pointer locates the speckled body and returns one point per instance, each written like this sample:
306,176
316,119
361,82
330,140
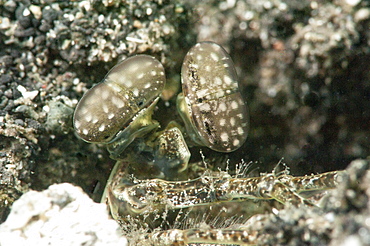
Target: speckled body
110,106
217,111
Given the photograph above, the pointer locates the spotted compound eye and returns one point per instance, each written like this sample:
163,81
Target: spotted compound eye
111,105
215,106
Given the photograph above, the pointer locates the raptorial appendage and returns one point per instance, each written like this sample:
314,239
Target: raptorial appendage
130,197
147,196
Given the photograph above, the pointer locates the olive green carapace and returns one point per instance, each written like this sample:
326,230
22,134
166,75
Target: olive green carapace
213,101
110,106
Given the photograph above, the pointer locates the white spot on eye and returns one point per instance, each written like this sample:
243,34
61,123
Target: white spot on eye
240,116
214,56
148,63
199,57
85,131
95,120
105,94
110,116
232,121
220,94
147,85
208,97
77,124
205,107
102,127
224,137
222,122
128,83
161,73
234,105
240,131
117,88
88,117
215,46
196,66
207,68
135,67
226,65
202,81
222,106
227,80
218,81
105,108
84,110
153,73
118,76
236,142
118,102
135,91
140,76
201,93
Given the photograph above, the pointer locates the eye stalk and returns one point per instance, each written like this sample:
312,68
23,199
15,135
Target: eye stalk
211,104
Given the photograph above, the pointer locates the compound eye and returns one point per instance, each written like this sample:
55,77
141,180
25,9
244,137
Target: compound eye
214,103
110,106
